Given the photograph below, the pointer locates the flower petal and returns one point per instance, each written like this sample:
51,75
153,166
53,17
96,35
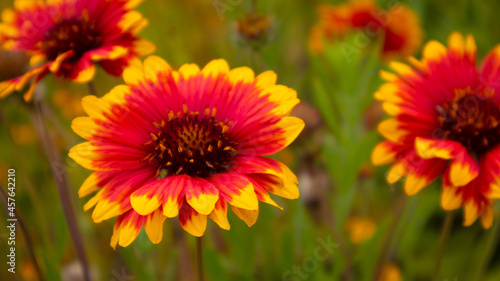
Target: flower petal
108,53
83,71
451,199
391,130
463,169
434,51
280,179
215,68
266,79
383,153
173,195
285,188
134,74
149,197
85,154
219,214
241,75
248,216
192,222
188,70
487,217
471,212
143,47
432,148
85,127
154,226
89,185
55,65
421,172
236,189
154,65
126,229
201,195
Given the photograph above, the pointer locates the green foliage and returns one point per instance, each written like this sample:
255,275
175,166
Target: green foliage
340,84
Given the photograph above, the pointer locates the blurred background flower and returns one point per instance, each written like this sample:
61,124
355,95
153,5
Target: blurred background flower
398,26
66,38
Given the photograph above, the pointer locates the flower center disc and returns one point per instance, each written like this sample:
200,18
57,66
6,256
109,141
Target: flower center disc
73,34
190,144
473,121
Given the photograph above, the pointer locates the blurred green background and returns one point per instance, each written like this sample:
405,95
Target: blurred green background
344,200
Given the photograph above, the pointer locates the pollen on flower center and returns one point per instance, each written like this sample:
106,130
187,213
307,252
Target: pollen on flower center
473,121
191,143
78,35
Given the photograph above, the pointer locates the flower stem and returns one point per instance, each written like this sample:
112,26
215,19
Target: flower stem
445,233
488,251
92,90
199,258
27,236
330,218
59,173
254,6
386,246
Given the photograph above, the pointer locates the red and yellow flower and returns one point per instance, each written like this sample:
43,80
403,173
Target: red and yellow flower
66,37
399,26
446,121
185,143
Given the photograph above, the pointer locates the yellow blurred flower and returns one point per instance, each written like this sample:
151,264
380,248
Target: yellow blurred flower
360,229
69,103
23,134
390,272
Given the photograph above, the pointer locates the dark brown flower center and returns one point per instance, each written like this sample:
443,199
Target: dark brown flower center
472,120
78,35
193,144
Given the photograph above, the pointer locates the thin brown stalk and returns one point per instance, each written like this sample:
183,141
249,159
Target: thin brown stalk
489,251
199,258
330,218
21,163
59,174
92,90
445,233
386,246
254,6
27,237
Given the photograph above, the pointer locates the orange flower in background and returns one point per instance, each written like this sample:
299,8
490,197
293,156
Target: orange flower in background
399,26
390,272
66,37
360,229
185,143
446,121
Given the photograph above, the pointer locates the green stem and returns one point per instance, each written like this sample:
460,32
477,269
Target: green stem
254,6
199,258
386,246
61,183
445,233
488,251
330,218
